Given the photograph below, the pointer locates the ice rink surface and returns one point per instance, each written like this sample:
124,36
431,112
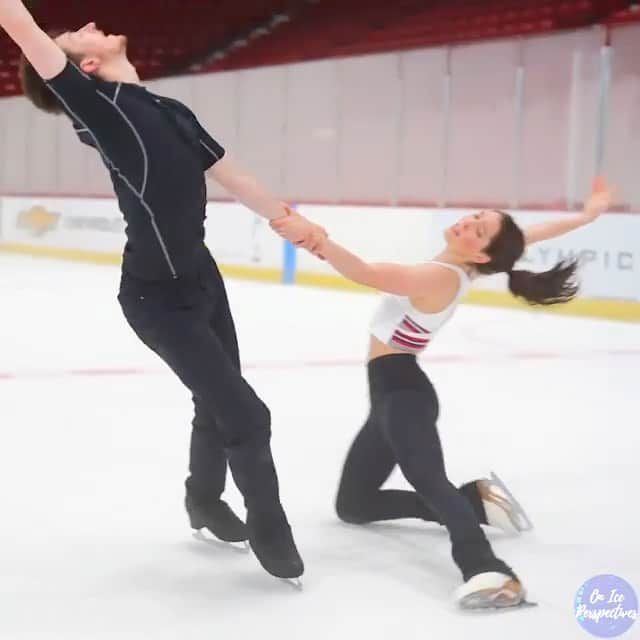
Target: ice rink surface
94,432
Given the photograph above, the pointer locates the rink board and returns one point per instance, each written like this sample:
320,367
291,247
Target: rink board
92,230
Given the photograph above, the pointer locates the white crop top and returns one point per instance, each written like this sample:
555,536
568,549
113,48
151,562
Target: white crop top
401,326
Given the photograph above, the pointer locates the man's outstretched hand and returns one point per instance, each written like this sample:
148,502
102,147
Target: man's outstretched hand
299,231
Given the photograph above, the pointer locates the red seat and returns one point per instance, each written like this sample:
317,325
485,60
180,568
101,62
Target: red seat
184,33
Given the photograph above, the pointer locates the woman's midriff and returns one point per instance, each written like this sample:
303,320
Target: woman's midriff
378,348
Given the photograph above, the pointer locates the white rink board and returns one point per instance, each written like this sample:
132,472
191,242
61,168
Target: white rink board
89,225
234,235
609,248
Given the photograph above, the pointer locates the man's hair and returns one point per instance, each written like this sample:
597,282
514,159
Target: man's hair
35,88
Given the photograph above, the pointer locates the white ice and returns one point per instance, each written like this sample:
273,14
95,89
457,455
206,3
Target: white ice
94,542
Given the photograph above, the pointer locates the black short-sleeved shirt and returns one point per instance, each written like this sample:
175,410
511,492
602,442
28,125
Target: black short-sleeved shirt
157,153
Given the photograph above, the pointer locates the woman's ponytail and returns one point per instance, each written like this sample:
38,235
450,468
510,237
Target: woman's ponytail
555,286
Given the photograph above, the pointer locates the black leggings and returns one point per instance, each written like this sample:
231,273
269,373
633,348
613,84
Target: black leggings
188,323
401,430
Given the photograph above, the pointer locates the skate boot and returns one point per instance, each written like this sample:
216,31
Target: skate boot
272,542
218,518
501,508
269,532
491,590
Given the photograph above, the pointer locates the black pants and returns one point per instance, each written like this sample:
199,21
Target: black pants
188,323
401,429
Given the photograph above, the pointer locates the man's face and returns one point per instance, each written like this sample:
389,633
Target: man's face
90,46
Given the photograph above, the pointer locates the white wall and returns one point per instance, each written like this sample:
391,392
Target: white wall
379,129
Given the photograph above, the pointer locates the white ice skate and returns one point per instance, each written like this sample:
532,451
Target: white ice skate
490,591
502,509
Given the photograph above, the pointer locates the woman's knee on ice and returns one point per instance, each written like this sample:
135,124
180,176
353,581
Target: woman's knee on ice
349,509
351,503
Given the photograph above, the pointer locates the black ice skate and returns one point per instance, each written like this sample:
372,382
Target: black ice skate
272,542
217,518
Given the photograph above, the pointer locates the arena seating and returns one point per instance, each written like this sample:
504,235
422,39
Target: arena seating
164,38
192,36
335,28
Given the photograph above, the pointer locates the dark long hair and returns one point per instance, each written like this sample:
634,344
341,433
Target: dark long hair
555,286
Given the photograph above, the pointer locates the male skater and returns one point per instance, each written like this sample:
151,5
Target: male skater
171,291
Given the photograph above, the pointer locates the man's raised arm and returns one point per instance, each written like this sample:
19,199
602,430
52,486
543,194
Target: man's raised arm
40,50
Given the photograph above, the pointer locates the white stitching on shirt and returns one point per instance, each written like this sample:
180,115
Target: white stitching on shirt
107,160
210,150
138,138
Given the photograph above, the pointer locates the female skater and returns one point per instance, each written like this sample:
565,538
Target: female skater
401,428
